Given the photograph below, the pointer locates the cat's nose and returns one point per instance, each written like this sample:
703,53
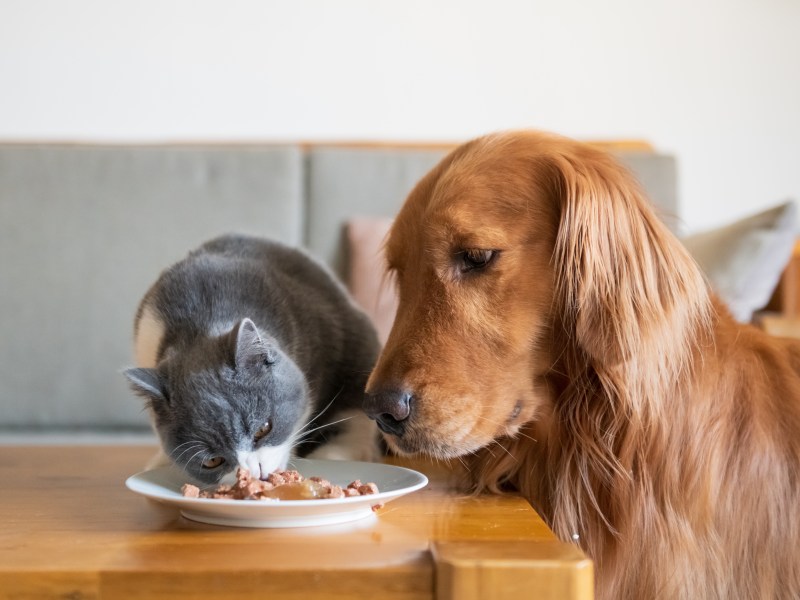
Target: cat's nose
390,409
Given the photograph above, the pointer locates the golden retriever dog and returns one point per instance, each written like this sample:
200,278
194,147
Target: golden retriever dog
554,335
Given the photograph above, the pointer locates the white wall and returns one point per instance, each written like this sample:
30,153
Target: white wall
716,82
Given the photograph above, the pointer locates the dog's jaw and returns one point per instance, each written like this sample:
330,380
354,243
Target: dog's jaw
454,438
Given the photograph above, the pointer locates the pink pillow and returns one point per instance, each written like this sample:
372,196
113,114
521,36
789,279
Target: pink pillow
369,285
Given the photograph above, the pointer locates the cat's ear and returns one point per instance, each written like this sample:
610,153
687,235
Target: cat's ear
147,383
250,349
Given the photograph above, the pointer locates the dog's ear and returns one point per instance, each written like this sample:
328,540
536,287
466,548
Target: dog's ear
626,283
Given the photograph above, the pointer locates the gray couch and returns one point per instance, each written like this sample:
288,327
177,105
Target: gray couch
85,229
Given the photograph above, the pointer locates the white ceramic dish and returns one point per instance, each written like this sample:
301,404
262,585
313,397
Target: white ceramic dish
164,485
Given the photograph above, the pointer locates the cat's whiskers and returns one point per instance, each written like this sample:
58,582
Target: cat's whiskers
200,452
197,448
299,437
303,438
184,444
189,446
320,413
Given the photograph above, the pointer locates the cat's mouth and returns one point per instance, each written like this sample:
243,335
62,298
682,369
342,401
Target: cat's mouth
262,461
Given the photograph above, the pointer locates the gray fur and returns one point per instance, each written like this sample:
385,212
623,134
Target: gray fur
253,331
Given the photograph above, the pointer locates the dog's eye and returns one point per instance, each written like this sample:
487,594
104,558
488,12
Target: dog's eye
263,431
475,258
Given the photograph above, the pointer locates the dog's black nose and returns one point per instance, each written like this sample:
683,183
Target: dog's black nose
390,409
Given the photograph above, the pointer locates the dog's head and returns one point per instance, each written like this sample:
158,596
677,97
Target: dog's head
520,258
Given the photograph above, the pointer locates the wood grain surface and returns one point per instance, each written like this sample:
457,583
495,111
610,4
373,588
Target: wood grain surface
71,529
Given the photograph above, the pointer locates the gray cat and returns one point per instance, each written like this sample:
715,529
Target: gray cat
248,352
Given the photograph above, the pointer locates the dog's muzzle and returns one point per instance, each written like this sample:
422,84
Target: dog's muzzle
390,409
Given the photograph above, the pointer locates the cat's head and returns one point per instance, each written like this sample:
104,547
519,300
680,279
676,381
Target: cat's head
234,400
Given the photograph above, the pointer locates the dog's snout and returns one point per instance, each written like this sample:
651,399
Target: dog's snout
390,409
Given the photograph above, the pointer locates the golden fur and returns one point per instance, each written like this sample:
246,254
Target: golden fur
589,367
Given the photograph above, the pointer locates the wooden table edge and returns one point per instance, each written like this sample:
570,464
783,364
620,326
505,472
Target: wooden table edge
509,570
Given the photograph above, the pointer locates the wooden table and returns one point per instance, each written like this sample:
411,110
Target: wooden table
780,325
71,529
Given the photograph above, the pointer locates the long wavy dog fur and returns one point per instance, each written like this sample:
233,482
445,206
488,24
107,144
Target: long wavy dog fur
555,335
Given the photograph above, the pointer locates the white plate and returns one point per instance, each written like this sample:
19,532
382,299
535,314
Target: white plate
164,485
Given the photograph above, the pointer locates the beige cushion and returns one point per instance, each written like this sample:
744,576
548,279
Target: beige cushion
343,183
367,280
744,259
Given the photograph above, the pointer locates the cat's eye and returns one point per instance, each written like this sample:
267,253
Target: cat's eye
263,431
213,463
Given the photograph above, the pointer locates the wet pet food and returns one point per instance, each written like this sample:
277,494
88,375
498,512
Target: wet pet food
280,485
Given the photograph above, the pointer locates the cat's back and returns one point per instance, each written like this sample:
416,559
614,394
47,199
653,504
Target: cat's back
261,257
236,276
228,277
189,296
268,273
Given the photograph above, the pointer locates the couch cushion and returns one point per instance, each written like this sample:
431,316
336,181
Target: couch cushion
657,174
84,231
368,281
348,182
744,259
